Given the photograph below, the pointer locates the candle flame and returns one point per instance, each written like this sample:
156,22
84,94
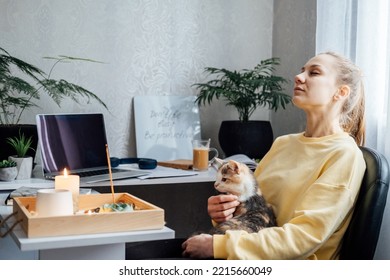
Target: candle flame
65,172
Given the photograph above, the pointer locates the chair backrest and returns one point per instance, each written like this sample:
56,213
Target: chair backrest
361,237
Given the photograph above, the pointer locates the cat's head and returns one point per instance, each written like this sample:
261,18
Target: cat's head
236,178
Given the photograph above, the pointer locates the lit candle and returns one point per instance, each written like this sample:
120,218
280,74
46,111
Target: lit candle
71,183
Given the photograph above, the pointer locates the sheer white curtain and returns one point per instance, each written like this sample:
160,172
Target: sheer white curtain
359,29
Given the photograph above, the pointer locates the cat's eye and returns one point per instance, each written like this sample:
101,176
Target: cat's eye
224,180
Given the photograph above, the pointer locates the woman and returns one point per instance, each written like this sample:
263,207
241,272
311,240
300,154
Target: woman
311,179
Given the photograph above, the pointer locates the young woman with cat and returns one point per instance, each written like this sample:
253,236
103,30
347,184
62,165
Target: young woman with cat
311,179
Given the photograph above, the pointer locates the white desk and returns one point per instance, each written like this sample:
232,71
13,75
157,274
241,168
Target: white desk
38,181
184,200
104,246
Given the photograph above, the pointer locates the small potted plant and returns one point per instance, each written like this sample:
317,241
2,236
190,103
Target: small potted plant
21,145
246,90
8,170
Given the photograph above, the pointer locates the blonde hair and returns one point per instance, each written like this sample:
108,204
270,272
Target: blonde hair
352,118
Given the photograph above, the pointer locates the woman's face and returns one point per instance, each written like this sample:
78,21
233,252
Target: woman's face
316,85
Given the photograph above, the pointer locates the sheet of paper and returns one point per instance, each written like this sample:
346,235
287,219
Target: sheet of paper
160,171
165,172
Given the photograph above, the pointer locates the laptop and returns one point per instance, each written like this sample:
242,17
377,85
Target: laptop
77,142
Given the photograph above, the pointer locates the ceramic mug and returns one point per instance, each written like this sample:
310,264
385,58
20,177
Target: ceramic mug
201,150
54,202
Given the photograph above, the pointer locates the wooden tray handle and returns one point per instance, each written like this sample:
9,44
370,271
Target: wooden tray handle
2,223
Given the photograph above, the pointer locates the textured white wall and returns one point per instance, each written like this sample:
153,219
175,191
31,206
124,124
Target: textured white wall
150,47
294,42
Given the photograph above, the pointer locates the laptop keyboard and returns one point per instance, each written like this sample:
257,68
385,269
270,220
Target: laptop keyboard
96,172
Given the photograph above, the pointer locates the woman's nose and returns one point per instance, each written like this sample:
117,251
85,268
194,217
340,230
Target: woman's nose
299,79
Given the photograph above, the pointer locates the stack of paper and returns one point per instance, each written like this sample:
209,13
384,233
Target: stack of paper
166,172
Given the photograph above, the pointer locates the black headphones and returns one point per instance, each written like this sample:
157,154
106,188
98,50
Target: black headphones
143,163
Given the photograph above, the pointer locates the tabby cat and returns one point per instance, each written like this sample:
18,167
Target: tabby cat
253,213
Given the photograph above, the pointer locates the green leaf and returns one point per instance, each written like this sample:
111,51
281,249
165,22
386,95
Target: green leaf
21,144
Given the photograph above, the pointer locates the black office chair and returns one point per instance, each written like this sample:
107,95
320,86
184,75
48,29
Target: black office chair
361,237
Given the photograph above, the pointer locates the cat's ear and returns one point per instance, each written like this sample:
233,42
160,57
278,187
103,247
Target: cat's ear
217,163
235,166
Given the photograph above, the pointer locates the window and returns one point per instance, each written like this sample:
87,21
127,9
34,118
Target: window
359,29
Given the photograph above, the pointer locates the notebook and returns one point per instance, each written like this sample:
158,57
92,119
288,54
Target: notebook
77,142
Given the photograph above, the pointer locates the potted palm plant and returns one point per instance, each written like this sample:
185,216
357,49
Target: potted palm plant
21,85
24,163
246,90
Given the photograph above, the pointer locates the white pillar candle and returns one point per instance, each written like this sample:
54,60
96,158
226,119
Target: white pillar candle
71,183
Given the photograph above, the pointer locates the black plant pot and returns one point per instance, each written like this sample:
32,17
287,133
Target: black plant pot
252,138
7,131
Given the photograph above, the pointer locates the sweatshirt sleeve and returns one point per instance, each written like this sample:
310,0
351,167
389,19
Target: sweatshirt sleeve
322,210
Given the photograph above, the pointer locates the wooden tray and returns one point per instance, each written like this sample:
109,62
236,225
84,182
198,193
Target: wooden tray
148,217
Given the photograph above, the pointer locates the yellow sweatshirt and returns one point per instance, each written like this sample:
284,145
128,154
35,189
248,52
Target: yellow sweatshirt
312,184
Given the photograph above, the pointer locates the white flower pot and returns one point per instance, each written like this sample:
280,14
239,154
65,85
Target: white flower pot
8,173
24,166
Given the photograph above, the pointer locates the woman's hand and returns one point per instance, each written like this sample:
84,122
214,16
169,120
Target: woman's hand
198,247
221,207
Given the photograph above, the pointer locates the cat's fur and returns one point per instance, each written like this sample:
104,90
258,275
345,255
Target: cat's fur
253,213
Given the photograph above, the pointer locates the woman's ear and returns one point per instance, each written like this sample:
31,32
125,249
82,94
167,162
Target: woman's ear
342,93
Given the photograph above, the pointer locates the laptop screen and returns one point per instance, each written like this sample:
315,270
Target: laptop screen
76,142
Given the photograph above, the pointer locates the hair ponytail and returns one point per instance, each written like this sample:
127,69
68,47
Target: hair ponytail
352,118
356,126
